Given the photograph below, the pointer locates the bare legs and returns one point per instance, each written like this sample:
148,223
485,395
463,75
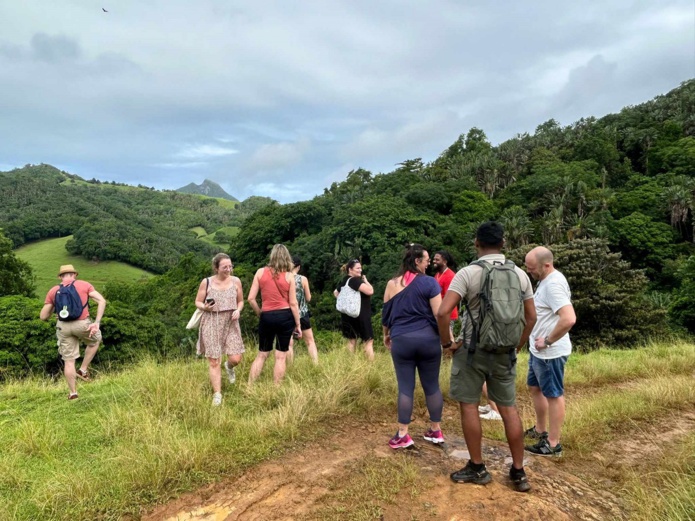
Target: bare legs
89,353
69,372
473,433
308,337
367,344
259,362
552,409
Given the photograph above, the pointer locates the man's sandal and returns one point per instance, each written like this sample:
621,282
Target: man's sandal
83,375
73,396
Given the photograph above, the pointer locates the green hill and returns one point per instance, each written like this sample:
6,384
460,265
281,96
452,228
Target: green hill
46,257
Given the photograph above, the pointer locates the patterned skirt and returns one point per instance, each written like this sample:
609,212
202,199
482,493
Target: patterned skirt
219,334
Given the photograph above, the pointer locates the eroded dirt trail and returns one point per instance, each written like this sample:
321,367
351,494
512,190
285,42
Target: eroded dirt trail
307,485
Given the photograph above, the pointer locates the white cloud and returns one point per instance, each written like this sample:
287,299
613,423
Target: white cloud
205,151
278,156
258,92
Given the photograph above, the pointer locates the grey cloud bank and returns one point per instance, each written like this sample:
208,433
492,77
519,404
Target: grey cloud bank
281,99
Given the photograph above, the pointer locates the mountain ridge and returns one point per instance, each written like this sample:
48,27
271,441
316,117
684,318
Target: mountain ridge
207,188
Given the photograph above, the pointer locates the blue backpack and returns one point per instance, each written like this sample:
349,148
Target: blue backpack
68,304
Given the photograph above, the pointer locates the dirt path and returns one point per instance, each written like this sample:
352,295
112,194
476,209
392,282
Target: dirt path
311,484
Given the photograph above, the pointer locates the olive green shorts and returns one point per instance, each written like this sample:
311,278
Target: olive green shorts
467,380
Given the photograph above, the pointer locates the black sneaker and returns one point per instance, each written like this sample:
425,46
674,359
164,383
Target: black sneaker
468,475
543,448
519,480
534,434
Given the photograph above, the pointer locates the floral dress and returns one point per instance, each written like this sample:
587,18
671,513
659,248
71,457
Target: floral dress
218,333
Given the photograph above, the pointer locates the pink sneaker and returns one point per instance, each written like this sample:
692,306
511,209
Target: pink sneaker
435,437
402,442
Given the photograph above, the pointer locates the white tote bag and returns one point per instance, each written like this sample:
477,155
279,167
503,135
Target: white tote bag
194,322
349,301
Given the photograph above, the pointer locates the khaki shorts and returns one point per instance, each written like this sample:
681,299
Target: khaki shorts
467,380
70,334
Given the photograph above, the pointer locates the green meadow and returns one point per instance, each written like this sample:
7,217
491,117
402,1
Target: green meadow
46,257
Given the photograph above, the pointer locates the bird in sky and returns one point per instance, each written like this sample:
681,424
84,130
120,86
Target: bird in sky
104,10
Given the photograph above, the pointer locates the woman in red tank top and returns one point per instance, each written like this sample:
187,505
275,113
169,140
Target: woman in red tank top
279,312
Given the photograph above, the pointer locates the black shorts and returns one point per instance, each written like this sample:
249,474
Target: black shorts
305,322
359,327
275,324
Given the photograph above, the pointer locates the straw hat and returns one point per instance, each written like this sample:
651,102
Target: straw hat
67,268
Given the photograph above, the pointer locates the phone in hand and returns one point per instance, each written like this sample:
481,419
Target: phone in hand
210,301
295,334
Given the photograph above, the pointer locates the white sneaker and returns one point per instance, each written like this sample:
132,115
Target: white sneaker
484,409
216,399
492,415
231,374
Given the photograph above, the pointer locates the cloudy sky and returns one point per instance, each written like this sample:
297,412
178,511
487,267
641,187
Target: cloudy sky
281,98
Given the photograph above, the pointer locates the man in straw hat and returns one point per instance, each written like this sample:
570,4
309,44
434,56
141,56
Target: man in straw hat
74,324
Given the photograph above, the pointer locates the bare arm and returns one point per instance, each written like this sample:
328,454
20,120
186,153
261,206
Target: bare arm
253,293
366,287
435,302
200,296
239,299
389,292
567,319
530,316
101,306
46,311
294,305
307,291
443,314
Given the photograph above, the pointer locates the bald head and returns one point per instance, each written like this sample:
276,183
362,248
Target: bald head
539,262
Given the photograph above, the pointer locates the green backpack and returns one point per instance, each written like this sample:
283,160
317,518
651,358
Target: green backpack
501,320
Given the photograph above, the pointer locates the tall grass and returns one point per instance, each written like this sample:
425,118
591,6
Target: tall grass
145,435
667,493
141,437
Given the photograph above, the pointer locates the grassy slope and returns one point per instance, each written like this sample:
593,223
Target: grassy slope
46,257
145,435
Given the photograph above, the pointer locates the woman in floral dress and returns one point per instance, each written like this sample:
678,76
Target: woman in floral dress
221,298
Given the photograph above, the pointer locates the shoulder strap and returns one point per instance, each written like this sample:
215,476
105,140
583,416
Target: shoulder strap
207,286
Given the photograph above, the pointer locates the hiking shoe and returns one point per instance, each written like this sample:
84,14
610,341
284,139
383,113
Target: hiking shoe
82,374
492,415
519,480
534,434
484,409
73,396
543,448
468,475
216,399
231,374
401,442
435,437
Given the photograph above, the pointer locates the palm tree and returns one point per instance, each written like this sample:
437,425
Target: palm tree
517,227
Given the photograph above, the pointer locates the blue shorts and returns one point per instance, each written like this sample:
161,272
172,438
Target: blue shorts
549,375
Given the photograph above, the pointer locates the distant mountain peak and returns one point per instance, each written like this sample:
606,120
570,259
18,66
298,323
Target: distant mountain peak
208,188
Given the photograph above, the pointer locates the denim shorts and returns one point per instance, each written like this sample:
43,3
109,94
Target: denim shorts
548,374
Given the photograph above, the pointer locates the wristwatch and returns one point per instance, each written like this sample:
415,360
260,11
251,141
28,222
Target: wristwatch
447,345
547,343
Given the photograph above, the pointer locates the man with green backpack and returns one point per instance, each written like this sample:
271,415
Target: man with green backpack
499,317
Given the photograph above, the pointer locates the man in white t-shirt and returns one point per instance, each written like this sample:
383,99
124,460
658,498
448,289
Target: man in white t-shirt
549,346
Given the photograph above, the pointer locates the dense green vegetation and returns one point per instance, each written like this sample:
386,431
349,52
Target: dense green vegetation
143,227
614,198
625,183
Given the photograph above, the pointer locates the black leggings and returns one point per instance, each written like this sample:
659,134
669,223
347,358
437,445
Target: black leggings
418,350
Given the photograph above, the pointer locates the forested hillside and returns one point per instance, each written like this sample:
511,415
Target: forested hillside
613,197
624,182
143,227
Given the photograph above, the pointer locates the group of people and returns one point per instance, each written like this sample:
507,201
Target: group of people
418,320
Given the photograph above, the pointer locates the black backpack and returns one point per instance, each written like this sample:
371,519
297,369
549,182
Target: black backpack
68,304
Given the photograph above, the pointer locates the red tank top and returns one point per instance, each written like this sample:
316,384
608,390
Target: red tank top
275,292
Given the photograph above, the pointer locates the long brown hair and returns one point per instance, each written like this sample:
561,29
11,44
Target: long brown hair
280,260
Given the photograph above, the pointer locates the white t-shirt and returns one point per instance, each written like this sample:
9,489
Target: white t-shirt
552,293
